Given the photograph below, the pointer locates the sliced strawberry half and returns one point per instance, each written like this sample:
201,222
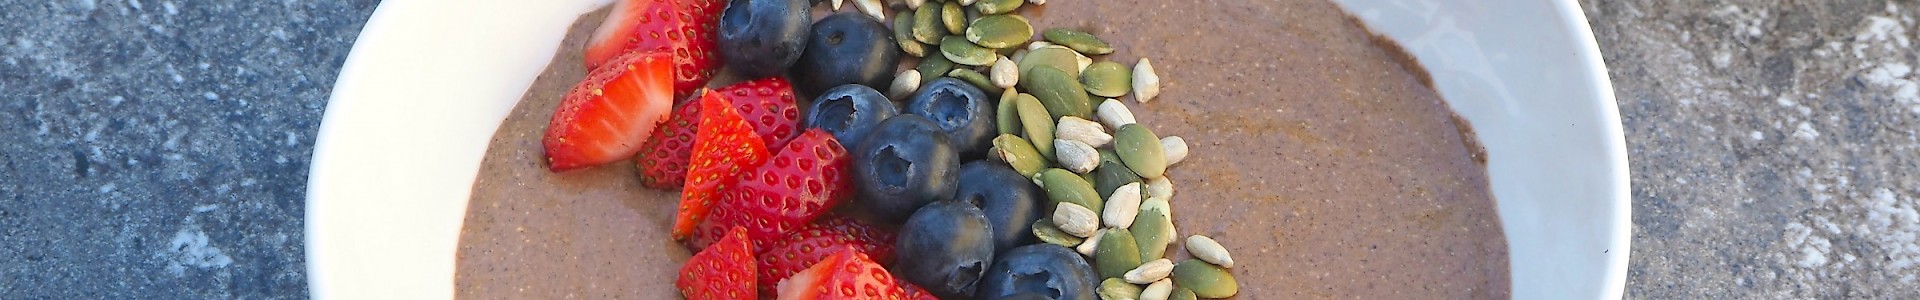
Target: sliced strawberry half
811,243
804,180
684,28
847,274
606,117
724,271
767,103
725,145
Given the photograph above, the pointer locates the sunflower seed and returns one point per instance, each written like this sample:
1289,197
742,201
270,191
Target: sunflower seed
1118,289
1078,40
1160,188
1146,84
997,6
1035,123
926,26
836,4
1107,79
1077,129
1075,156
966,2
960,51
1176,149
1206,280
1038,2
1150,272
1060,92
1122,207
872,8
1141,150
1036,45
1006,118
904,85
915,4
1019,154
953,18
1113,113
903,34
1063,186
999,31
1005,73
1076,220
1158,290
1116,254
1206,249
1048,233
1088,245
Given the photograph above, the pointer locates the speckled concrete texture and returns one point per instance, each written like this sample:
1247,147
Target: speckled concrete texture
158,148
1773,146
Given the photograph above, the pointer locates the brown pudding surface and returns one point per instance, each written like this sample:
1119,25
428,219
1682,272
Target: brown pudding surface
1320,157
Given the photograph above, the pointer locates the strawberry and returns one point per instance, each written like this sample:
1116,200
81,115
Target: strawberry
723,271
768,103
809,245
607,116
914,292
684,28
847,274
725,145
804,180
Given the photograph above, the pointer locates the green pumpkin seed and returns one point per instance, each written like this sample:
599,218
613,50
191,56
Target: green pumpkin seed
976,79
953,18
1051,234
1118,289
1064,186
1180,293
1088,176
1116,254
960,51
997,6
1107,79
1055,56
1078,40
903,34
1035,124
1019,154
1140,150
1111,174
1206,280
1000,31
1153,230
932,66
1061,93
1006,119
926,26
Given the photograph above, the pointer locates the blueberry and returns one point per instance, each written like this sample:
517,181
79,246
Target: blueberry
1011,201
761,38
903,164
849,112
944,248
1046,269
846,48
961,110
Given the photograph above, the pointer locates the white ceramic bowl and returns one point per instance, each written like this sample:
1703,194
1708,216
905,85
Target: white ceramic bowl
410,118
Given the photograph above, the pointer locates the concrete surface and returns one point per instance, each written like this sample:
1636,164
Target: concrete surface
158,149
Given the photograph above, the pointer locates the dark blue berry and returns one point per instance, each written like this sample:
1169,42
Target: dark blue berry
962,111
761,38
944,248
846,48
1046,269
904,163
849,112
1010,201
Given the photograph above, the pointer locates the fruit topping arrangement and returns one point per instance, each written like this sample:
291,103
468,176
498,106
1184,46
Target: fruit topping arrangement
997,167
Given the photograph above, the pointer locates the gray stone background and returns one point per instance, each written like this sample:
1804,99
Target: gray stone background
158,149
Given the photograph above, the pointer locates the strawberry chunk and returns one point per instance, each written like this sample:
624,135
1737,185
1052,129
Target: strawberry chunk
725,146
767,103
684,28
811,243
804,180
723,271
606,117
847,274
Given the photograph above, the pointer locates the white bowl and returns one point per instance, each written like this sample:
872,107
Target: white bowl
410,118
